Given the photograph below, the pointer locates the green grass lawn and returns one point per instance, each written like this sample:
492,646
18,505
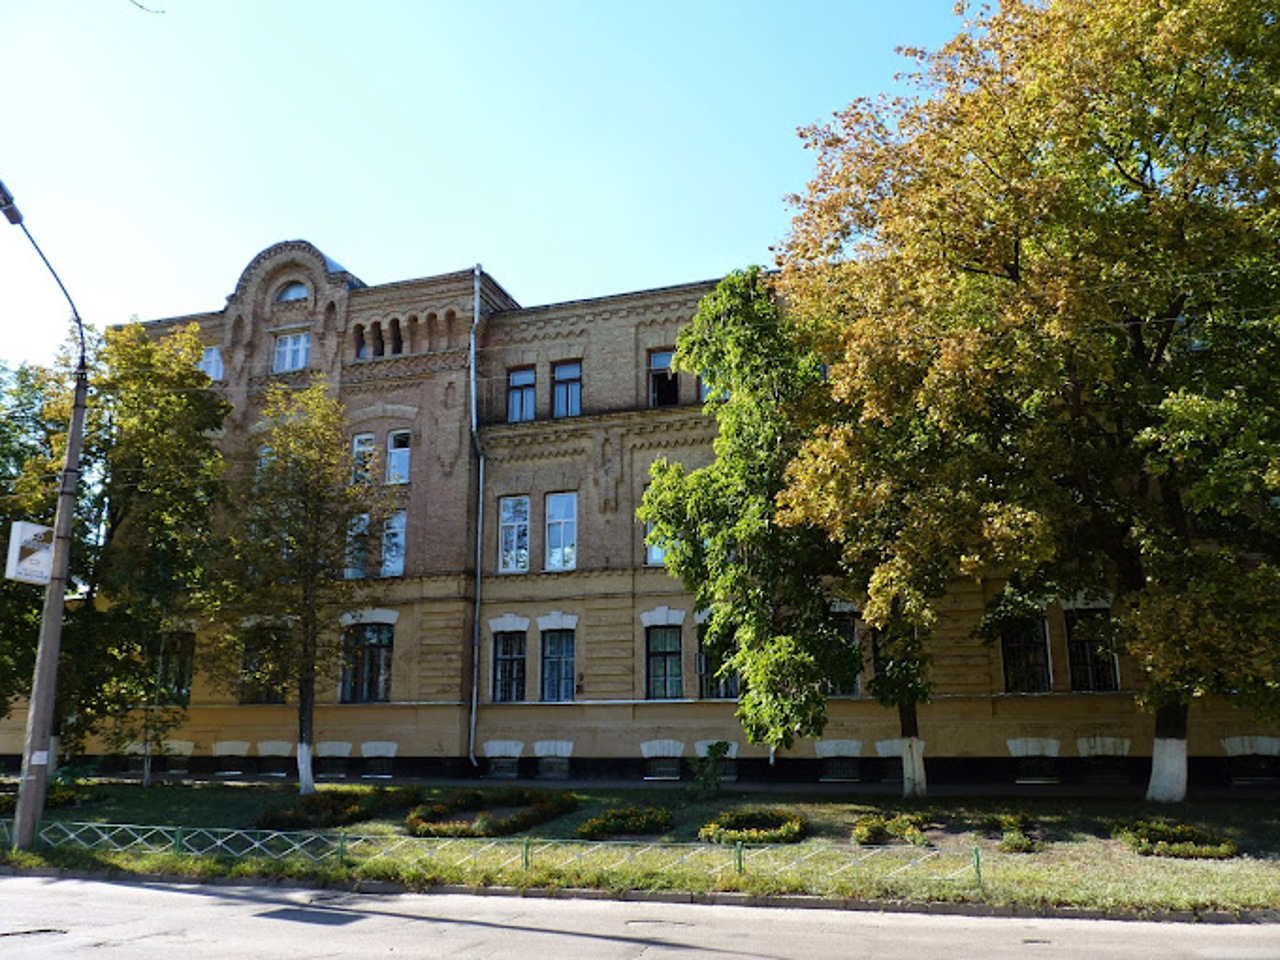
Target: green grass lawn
1076,862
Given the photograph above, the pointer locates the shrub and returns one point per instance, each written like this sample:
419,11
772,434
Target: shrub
57,795
537,806
1015,831
640,820
1015,841
755,826
875,829
709,770
1161,838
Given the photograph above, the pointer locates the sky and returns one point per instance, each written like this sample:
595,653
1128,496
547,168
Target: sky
574,149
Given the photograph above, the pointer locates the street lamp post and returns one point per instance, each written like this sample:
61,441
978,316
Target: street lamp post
35,751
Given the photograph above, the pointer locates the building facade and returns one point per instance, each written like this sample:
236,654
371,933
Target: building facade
522,623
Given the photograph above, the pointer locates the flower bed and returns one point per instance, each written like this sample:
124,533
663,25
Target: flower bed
875,829
1160,838
536,806
637,820
755,826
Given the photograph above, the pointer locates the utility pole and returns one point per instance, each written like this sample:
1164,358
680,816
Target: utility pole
35,751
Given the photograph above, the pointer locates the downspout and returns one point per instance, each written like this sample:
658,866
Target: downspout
479,448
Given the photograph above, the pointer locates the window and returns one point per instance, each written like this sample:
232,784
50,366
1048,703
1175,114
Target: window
566,393
654,553
705,392
1024,647
557,666
174,662
711,685
1093,665
520,395
366,663
262,677
211,363
663,680
664,385
508,667
845,623
357,555
363,451
513,534
293,352
398,456
291,292
393,545
562,531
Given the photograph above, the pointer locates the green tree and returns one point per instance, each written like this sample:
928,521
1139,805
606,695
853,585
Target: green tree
1047,281
297,526
161,483
20,441
765,588
150,481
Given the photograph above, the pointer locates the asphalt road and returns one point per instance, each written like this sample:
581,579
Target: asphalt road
46,918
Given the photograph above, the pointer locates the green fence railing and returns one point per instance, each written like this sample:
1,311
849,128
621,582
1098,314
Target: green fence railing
814,867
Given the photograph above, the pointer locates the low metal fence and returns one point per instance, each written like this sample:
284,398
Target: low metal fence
814,867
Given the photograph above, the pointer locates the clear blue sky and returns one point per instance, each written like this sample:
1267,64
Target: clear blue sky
573,148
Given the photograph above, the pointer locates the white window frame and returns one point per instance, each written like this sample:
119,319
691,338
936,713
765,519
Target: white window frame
356,561
513,537
398,456
655,554
211,363
292,352
393,544
561,551
364,447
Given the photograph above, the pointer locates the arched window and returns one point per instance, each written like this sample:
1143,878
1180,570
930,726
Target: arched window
297,290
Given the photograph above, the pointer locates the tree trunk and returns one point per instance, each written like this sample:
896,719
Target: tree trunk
306,714
1168,782
914,783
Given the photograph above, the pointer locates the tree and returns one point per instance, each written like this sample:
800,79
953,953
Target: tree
20,437
1048,283
765,588
298,533
161,483
151,478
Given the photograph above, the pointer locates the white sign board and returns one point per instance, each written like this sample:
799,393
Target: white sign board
30,553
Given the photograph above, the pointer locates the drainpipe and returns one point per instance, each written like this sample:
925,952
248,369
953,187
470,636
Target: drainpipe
479,448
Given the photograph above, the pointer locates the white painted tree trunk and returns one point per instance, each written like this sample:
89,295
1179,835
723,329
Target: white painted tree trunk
306,781
1168,771
913,779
